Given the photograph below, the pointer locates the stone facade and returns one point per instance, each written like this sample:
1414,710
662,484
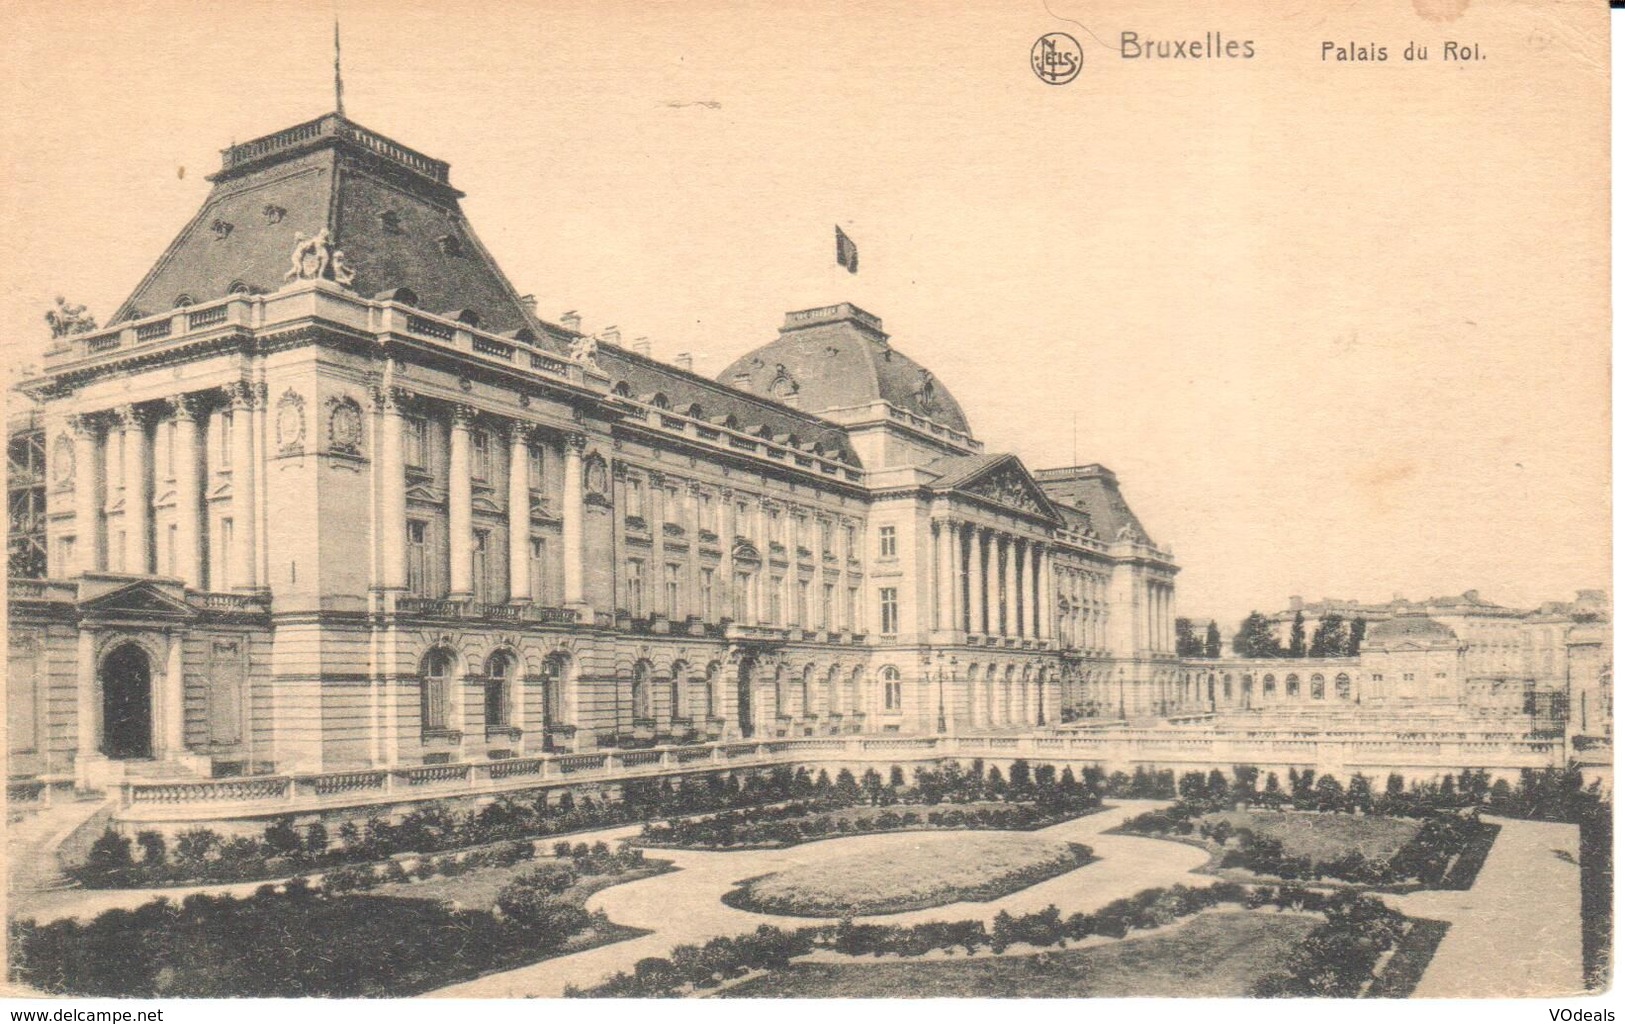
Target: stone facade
360,508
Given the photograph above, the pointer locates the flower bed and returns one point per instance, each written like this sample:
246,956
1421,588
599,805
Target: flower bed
931,872
1338,957
774,828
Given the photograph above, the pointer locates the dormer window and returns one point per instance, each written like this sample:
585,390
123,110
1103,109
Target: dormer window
451,245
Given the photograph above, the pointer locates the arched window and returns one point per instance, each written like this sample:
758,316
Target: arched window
553,669
696,411
1317,687
807,692
1269,686
642,695
781,694
499,672
892,682
1292,685
832,688
856,693
1344,686
679,691
435,690
713,698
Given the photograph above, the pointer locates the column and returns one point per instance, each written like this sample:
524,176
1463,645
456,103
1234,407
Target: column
173,705
571,522
188,492
1008,543
1041,584
392,499
956,602
137,507
87,710
518,515
945,574
655,578
1035,590
691,572
976,580
460,504
87,517
241,399
727,530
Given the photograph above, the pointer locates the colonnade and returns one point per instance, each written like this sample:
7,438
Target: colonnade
991,583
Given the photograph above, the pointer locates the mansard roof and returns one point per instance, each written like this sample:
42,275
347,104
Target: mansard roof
836,357
1093,492
390,210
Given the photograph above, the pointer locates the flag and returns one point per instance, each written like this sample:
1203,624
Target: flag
846,251
338,79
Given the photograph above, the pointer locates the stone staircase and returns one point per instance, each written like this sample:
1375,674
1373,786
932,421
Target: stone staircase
37,834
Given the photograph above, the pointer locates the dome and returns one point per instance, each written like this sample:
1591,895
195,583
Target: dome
836,357
1417,629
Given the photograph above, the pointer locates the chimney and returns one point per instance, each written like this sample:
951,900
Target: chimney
742,381
611,335
685,361
641,346
1294,603
529,302
571,320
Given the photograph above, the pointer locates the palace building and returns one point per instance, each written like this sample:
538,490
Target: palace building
326,494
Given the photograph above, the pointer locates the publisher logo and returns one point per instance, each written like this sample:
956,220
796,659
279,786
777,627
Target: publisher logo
1057,58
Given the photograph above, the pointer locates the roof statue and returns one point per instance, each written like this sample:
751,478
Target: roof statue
343,273
69,318
584,349
310,257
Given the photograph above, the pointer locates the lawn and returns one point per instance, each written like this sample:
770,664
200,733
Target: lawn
1214,955
1324,837
925,870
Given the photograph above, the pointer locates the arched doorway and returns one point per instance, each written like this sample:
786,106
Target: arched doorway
127,704
747,722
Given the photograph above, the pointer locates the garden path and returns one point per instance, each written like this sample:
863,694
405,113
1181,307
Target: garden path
685,906
1516,932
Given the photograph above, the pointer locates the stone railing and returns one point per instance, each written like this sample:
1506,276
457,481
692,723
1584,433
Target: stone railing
1118,749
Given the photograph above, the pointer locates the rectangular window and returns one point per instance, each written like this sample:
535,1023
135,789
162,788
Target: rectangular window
634,498
226,548
775,600
851,542
741,517
417,558
852,608
826,536
802,586
888,542
708,512
416,437
482,566
673,578
775,528
888,610
671,510
708,582
169,450
224,442
482,454
538,571
64,557
634,588
741,600
171,542
826,611
537,460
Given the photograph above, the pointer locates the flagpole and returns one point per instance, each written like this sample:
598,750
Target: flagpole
338,77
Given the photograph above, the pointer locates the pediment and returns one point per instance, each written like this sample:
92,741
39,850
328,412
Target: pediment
1007,483
480,503
138,600
425,494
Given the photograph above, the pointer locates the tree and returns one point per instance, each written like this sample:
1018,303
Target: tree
1186,643
1356,638
1256,639
1331,637
1212,647
1295,647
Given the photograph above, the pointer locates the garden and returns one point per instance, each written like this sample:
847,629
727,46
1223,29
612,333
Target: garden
378,931
931,872
1318,829
1226,939
938,798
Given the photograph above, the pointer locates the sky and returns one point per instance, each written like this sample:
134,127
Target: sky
1340,328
